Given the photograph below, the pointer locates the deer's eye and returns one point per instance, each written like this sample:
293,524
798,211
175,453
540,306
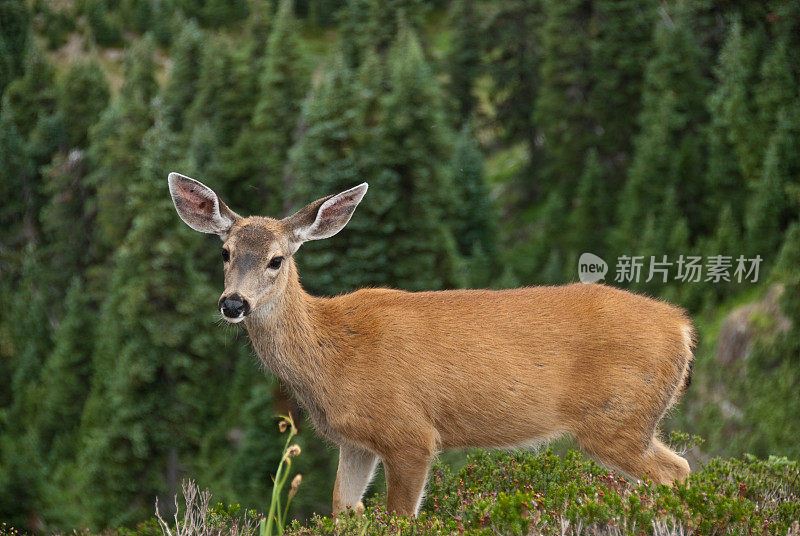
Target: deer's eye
226,255
275,263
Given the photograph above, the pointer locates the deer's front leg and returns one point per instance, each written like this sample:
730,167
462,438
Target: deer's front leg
406,473
356,469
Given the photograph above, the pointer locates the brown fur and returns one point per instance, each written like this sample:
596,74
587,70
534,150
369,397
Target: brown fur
404,375
398,376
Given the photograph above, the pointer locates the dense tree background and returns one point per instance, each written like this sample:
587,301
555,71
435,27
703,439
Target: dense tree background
500,139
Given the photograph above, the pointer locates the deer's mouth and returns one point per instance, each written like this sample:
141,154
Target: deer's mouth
232,320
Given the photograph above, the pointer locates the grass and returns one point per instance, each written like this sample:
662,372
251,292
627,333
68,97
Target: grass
275,521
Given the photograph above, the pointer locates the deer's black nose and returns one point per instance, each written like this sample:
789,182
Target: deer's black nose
234,306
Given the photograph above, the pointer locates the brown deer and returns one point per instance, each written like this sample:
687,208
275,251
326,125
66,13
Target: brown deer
397,376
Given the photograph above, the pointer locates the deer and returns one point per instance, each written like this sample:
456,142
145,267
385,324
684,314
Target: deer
397,377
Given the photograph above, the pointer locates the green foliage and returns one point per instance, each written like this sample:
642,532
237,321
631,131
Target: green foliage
670,145
115,145
614,127
563,93
398,139
263,147
182,83
369,26
542,493
415,146
513,59
106,29
276,520
772,206
30,99
250,469
83,95
735,145
214,13
464,60
55,24
15,23
61,394
772,372
338,150
620,44
476,230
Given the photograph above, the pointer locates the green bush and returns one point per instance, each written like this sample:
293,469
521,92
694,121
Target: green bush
499,493
520,493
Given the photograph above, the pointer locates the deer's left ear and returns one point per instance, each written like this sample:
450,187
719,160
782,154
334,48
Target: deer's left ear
199,207
324,217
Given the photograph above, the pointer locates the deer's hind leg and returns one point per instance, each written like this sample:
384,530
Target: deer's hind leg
655,461
622,434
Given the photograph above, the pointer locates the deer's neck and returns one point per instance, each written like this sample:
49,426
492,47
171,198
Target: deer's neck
289,340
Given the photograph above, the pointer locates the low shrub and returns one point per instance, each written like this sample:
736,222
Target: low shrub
525,493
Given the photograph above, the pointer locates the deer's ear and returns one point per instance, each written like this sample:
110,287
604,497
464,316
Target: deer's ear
324,217
199,207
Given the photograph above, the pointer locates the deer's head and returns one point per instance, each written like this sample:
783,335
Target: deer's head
257,251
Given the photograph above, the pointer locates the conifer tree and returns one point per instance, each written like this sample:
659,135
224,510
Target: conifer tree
777,86
249,59
29,133
734,147
115,144
65,380
772,206
15,188
671,145
182,82
726,241
67,223
369,26
83,93
338,150
464,61
540,259
30,99
562,103
512,61
620,43
15,21
585,222
416,145
264,146
218,101
106,28
259,24
6,68
146,415
21,475
476,230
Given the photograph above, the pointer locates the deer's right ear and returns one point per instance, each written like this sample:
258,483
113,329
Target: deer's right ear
199,207
324,217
